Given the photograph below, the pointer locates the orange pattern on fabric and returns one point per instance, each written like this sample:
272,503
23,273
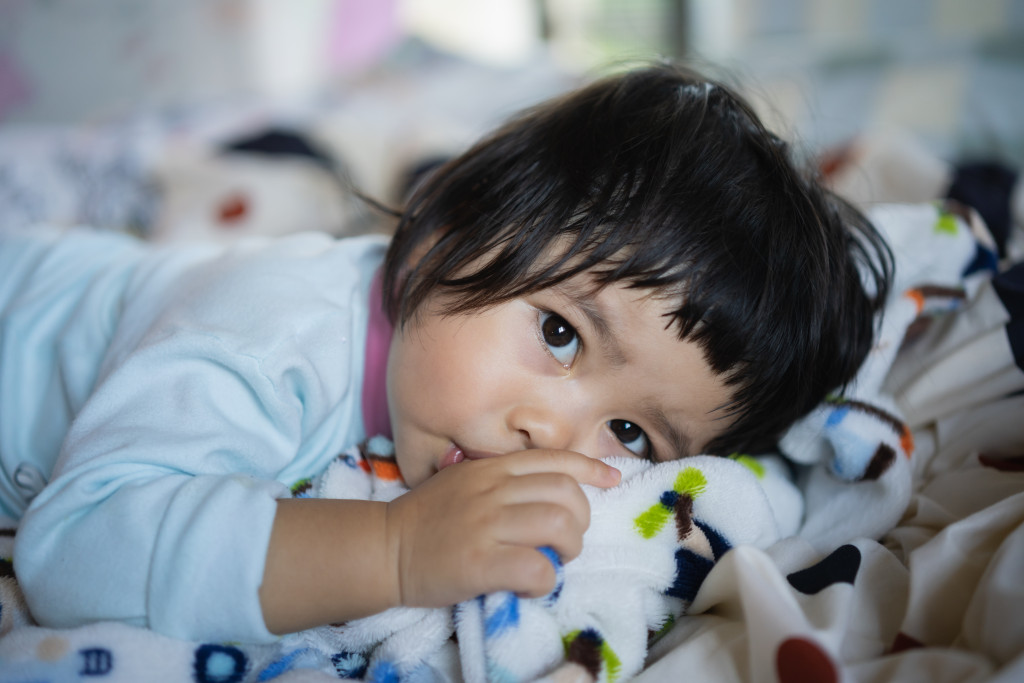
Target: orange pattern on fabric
907,441
917,296
386,470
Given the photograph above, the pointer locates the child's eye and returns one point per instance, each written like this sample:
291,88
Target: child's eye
632,437
561,338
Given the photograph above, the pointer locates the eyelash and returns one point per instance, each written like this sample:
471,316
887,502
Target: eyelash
560,326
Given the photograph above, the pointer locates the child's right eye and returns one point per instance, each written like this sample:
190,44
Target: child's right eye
561,338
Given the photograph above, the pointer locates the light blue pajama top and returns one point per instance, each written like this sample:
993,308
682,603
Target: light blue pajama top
167,398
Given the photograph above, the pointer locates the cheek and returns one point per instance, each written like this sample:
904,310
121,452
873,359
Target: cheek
436,374
455,370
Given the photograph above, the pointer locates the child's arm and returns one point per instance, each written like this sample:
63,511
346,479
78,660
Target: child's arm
471,529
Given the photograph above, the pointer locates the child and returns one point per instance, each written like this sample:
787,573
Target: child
634,269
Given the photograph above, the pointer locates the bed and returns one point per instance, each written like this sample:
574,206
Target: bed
903,568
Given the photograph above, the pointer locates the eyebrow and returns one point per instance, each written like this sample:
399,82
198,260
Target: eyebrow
679,440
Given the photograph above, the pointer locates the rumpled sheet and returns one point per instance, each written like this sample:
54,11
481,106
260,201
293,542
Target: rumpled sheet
939,598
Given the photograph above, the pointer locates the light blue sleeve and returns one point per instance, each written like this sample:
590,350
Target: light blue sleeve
226,381
60,295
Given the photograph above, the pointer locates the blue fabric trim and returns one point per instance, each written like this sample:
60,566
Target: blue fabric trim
506,616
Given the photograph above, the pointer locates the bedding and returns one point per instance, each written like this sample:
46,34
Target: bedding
885,542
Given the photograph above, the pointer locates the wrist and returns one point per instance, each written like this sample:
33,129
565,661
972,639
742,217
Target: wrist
328,561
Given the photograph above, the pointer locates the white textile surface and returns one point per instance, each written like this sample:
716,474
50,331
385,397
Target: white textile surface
938,599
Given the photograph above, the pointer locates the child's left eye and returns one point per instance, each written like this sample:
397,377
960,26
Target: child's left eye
561,338
632,437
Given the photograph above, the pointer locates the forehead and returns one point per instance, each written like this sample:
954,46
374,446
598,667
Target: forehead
634,343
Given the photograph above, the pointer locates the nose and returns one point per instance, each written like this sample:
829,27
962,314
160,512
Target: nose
543,426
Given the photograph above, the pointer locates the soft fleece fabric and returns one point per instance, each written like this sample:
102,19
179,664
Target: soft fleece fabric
651,542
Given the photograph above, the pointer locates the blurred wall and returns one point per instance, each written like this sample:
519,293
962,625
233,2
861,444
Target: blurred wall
807,28
68,60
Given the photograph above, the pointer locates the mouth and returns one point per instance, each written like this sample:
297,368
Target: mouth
455,454
452,456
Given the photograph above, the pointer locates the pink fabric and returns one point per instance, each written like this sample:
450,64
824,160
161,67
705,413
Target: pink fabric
376,420
361,33
14,87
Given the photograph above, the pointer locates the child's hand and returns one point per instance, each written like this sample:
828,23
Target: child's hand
475,527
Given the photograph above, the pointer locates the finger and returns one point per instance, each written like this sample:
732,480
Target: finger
538,525
541,487
583,469
526,571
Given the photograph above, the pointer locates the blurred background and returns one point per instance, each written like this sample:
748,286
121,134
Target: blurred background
182,119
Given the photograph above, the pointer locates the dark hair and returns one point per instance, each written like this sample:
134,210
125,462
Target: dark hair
660,178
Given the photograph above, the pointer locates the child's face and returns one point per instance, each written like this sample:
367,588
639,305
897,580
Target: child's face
559,369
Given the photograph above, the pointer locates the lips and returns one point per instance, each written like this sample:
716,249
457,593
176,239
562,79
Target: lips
455,454
452,455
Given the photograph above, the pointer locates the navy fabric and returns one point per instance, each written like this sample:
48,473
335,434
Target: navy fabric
1009,285
1010,288
984,260
986,187
839,567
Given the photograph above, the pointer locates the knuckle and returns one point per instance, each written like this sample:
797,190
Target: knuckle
566,485
538,574
575,500
490,517
562,521
573,549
